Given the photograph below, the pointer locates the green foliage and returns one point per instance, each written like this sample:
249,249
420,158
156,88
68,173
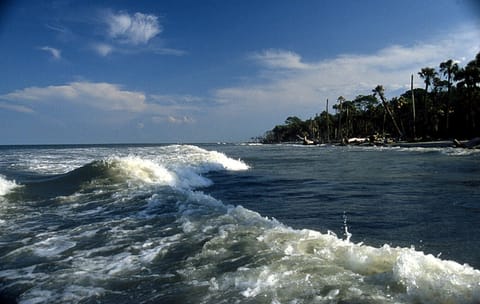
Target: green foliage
448,106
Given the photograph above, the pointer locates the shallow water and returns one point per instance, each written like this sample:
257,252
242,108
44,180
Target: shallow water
239,223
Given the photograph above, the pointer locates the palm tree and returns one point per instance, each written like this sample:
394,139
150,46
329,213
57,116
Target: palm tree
427,74
380,91
467,79
449,69
340,99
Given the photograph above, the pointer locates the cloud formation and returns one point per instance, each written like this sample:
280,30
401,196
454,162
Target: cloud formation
100,95
288,82
102,49
133,29
173,119
279,59
56,53
103,98
15,107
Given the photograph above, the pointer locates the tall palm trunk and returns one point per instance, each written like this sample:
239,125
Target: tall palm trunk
428,74
449,69
379,90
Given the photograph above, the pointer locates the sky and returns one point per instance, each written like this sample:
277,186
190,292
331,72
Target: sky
179,71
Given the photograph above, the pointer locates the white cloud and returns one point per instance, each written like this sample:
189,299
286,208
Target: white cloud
290,84
99,95
102,49
128,34
56,53
180,120
169,51
173,119
132,29
279,59
104,98
15,107
176,99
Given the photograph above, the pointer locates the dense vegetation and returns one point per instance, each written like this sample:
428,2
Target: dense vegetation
447,107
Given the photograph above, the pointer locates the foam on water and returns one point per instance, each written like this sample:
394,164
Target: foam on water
201,160
155,235
6,185
52,246
142,170
306,265
451,151
178,166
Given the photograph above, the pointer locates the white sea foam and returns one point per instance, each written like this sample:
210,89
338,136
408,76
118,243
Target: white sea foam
227,162
6,185
202,160
52,246
69,294
231,254
144,170
424,277
451,151
300,264
428,278
179,166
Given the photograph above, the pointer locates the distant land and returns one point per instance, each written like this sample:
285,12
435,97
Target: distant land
447,107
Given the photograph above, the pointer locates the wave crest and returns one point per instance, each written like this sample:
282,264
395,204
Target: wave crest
179,166
6,186
135,168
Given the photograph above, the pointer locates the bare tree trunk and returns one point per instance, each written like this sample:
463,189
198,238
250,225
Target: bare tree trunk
328,125
379,90
340,122
413,107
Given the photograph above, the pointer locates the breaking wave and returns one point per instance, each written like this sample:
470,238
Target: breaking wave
139,228
175,166
6,185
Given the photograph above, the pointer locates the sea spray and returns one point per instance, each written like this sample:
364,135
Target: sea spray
347,234
149,224
6,185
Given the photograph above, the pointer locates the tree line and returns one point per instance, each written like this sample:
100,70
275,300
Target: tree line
447,107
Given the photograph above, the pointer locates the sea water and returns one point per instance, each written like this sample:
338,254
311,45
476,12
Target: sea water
239,224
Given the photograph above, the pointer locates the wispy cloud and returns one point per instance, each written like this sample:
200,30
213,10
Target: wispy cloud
168,51
101,97
98,95
176,99
15,107
178,120
56,53
57,28
279,59
129,34
288,82
102,49
63,33
133,29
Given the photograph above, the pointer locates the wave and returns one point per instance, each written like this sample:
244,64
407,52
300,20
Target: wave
174,166
261,258
176,242
450,151
179,167
6,185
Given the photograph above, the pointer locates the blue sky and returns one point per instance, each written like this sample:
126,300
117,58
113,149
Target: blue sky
208,71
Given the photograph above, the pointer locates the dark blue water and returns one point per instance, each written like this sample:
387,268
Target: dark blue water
428,198
239,224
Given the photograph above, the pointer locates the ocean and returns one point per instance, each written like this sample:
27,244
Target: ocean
239,223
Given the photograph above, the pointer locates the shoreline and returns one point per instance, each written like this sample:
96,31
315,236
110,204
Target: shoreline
465,144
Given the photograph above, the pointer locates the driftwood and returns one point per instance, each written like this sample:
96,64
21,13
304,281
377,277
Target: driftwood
470,144
357,140
306,141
